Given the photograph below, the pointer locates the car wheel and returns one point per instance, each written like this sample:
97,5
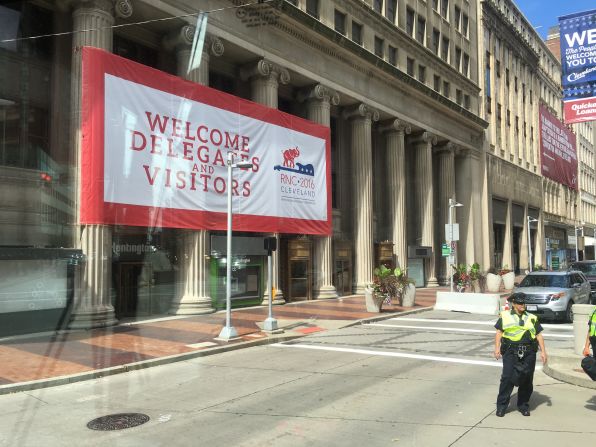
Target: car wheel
569,312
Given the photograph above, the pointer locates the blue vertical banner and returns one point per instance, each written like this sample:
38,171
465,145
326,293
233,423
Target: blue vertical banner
578,59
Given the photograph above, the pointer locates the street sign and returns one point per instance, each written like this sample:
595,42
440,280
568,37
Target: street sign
452,232
445,250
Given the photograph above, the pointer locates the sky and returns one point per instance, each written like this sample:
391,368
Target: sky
543,14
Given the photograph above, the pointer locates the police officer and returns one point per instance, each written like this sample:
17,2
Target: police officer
591,337
517,339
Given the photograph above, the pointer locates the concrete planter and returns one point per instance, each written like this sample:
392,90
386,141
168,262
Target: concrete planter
373,301
508,280
409,297
476,303
493,282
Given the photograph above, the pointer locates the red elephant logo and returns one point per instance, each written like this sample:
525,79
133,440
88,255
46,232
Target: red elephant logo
289,156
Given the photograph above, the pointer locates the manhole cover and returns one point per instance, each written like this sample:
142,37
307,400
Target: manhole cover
118,421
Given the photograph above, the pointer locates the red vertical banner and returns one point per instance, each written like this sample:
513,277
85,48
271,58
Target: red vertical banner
558,153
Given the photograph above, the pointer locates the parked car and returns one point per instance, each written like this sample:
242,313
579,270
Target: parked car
550,295
588,268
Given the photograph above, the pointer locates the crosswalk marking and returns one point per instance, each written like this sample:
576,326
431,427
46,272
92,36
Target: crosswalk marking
450,329
566,327
495,363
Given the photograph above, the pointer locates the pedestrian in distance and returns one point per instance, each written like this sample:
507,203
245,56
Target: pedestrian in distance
517,340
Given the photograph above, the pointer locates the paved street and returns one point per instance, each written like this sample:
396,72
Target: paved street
426,379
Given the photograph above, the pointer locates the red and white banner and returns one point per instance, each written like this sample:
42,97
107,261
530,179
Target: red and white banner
558,154
154,151
580,110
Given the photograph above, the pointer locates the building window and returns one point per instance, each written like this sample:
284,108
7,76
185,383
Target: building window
457,61
446,89
312,8
498,68
517,124
379,47
436,40
445,9
436,5
390,10
458,96
410,67
421,30
456,18
410,22
437,83
531,101
524,93
357,32
515,83
499,112
392,52
507,77
467,101
422,73
378,6
445,49
466,66
508,117
340,22
464,25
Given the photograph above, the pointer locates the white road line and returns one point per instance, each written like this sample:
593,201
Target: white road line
567,327
433,358
455,329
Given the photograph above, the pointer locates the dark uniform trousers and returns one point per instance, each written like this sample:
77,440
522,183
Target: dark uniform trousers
526,387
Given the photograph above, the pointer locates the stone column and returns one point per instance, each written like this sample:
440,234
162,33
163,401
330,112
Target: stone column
395,132
424,197
192,294
319,100
265,78
523,246
540,248
446,190
508,239
93,308
362,117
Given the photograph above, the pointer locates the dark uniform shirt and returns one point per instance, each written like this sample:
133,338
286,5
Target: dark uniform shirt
526,338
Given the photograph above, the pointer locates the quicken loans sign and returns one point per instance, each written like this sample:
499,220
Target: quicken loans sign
155,148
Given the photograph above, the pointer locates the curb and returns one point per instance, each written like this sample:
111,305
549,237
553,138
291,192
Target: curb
557,368
105,372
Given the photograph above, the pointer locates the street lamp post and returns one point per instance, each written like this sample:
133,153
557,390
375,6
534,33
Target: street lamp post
530,220
228,332
452,204
577,242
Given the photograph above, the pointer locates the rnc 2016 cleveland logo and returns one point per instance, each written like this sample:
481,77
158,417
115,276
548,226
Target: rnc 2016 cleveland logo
297,180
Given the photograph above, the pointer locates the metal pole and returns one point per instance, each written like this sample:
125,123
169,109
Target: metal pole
576,244
529,245
270,323
450,242
228,331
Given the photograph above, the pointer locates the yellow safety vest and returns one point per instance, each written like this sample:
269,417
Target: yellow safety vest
593,324
512,330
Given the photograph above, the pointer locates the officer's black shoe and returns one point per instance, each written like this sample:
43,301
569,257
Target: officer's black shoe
500,412
525,412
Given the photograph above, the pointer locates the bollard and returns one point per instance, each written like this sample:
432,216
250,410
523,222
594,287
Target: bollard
581,314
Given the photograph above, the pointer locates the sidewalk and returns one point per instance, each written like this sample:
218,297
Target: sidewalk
43,360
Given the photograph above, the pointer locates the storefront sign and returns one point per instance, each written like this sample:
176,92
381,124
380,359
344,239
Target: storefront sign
578,53
154,151
558,155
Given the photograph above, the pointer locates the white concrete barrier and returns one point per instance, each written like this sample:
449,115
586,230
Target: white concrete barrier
581,314
476,303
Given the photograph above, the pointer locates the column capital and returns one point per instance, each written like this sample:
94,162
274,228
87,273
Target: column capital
319,92
425,138
446,148
265,69
119,8
395,125
183,37
361,111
